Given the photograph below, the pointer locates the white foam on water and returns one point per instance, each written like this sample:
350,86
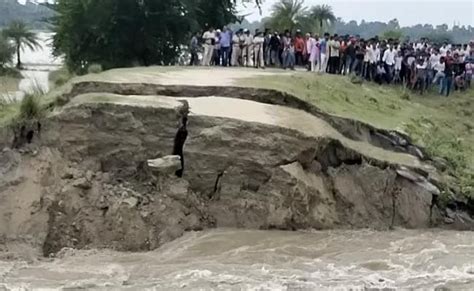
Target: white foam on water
226,259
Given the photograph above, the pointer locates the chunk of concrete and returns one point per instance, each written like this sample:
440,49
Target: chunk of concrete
165,165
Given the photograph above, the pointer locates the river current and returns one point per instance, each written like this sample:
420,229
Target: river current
228,259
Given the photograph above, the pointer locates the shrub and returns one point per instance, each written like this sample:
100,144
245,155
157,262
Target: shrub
60,77
30,107
94,69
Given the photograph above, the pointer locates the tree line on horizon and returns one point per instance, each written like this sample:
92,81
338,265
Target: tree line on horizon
293,14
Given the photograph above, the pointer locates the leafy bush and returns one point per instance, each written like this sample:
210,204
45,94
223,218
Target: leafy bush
30,107
393,34
60,77
94,69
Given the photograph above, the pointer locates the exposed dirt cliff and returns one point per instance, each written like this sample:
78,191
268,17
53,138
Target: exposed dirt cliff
85,182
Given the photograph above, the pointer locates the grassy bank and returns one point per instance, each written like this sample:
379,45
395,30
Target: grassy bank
444,126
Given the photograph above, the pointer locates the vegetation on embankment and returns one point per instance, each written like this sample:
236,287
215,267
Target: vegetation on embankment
443,126
9,81
59,77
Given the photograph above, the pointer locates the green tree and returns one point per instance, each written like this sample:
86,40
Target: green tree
286,14
393,34
22,37
439,37
323,16
6,51
121,33
216,13
132,32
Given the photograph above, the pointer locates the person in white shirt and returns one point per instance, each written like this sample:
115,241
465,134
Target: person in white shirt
439,70
433,60
377,52
389,61
209,39
421,75
443,50
310,56
465,53
372,55
258,41
247,50
236,49
365,68
398,67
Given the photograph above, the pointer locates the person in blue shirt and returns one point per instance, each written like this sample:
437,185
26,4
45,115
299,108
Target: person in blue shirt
194,46
225,42
323,49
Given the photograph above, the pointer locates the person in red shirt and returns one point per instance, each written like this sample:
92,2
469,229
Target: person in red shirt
342,55
300,48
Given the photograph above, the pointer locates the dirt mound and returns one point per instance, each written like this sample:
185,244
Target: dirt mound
85,182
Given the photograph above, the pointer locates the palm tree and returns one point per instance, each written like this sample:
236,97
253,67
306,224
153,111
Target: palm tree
21,36
323,15
286,13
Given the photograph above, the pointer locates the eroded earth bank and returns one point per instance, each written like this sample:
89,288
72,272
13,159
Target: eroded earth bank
253,158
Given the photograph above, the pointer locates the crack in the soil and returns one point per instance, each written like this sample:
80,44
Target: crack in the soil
352,129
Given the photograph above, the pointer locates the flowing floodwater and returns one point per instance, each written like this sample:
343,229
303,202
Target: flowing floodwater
264,260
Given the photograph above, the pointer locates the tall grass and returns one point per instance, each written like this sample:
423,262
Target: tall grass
30,107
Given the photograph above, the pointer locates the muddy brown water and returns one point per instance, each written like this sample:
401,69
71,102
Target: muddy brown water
228,259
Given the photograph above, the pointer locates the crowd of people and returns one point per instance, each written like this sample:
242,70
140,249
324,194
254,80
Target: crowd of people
417,65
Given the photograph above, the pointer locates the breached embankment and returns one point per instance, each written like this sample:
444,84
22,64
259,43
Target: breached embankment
248,164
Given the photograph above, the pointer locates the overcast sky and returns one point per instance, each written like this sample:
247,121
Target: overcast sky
407,12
